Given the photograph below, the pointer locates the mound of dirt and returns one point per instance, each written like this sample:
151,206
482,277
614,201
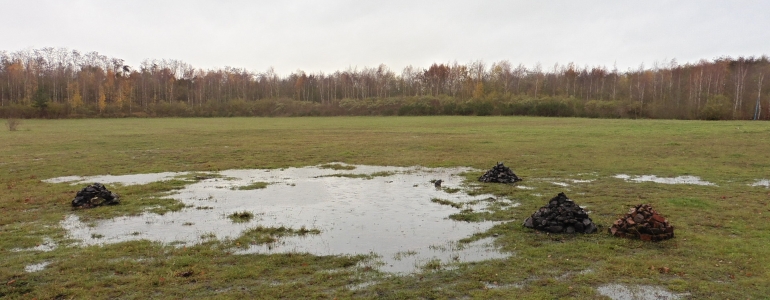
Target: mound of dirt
95,195
499,173
644,223
561,215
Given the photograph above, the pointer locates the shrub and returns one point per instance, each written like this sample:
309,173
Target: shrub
13,124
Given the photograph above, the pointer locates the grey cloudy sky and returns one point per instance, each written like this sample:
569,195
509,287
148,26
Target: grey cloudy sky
337,34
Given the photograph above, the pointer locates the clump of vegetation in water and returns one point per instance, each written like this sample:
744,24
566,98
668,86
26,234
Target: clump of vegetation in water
363,176
446,202
252,186
337,167
265,235
241,217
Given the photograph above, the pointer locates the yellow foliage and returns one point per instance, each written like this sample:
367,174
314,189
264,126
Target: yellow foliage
478,92
76,100
102,101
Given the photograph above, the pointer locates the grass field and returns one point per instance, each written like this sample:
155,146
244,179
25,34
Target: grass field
722,231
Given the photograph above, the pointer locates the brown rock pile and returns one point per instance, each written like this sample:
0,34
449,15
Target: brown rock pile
499,173
561,215
644,223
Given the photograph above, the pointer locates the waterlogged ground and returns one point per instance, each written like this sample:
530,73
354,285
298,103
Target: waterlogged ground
640,292
719,250
385,211
665,180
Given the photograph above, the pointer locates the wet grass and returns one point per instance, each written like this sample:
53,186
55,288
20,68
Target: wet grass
265,235
720,250
451,190
252,186
446,202
241,217
337,167
689,202
362,176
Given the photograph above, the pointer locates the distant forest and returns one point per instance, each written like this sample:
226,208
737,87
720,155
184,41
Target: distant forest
62,83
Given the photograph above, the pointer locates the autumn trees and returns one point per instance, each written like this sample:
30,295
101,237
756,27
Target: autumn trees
57,83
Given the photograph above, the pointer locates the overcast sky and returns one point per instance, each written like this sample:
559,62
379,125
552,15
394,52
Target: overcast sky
335,34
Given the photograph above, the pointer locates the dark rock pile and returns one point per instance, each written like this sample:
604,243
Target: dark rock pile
644,223
499,173
561,215
95,195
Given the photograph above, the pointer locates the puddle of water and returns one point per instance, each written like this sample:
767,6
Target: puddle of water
582,180
569,274
133,179
763,182
639,292
404,253
48,245
494,285
36,267
361,286
356,214
667,180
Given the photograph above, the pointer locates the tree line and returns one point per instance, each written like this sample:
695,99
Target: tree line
62,83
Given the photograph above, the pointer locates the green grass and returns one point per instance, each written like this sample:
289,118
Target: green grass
689,202
362,176
720,250
265,235
337,167
252,186
241,216
447,202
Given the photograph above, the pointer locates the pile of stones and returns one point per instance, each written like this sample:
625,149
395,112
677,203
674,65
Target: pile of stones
561,215
644,223
95,195
499,173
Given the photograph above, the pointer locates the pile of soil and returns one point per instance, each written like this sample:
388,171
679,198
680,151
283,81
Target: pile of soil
561,215
499,173
644,223
95,195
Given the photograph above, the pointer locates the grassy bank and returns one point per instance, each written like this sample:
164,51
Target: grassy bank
721,231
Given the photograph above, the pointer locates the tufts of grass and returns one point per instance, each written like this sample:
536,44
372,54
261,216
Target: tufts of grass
337,167
362,176
265,235
252,186
241,217
689,202
451,190
446,202
468,215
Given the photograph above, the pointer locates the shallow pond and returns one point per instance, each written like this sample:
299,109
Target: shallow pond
386,211
121,179
665,180
36,267
638,292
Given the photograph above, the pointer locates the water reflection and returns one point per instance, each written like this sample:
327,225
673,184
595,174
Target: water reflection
370,209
